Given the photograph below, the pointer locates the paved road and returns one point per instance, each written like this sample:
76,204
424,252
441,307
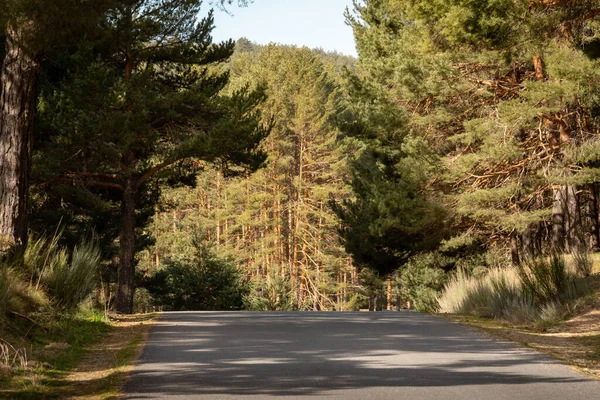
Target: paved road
346,356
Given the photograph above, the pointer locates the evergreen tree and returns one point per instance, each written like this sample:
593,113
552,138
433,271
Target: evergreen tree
394,214
30,29
277,221
500,91
141,105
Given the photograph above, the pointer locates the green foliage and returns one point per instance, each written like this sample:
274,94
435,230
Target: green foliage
278,215
69,284
205,282
548,280
270,293
421,281
490,86
48,277
137,106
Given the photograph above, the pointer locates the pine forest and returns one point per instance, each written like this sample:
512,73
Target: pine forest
146,167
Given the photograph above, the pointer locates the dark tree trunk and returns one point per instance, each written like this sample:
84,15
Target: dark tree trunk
371,303
558,218
126,272
514,249
19,84
527,243
594,218
539,237
573,220
389,293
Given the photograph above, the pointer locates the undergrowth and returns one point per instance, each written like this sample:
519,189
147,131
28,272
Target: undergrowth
541,291
42,289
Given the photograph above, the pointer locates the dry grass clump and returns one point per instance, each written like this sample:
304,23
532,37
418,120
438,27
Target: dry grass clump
541,290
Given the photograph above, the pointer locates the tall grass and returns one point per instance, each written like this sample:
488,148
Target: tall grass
69,284
582,263
17,296
47,277
539,290
498,294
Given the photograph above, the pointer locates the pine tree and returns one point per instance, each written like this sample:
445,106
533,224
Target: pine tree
500,91
277,221
142,104
31,28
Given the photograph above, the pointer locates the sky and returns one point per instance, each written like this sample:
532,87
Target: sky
311,23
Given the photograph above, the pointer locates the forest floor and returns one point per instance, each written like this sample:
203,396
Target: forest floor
575,341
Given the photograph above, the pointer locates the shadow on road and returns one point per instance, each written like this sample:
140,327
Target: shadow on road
310,354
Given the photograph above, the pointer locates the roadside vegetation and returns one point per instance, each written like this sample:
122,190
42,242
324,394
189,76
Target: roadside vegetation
543,290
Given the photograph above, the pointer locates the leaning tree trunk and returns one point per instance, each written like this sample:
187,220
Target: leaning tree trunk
19,84
126,271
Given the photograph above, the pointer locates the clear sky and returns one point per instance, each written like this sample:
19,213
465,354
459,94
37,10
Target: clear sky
312,23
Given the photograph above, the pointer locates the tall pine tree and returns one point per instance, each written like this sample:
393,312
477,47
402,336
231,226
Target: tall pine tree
141,105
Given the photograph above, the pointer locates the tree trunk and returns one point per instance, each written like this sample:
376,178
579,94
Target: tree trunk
527,243
573,225
126,272
514,249
558,218
389,292
538,64
594,218
19,83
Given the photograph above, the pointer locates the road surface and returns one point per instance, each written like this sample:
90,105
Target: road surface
304,355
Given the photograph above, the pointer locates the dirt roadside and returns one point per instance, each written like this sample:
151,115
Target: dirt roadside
105,367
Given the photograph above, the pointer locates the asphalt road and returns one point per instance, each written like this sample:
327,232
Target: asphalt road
348,356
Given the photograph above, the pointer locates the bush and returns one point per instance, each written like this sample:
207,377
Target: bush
582,263
45,277
70,283
204,283
422,280
547,280
271,294
17,295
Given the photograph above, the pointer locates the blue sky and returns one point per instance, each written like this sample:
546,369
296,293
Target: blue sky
312,23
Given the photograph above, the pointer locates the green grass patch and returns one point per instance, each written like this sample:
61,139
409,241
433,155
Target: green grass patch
53,354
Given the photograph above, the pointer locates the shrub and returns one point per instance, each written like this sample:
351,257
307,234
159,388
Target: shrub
582,263
541,289
422,280
498,294
205,283
547,279
271,294
70,283
44,275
